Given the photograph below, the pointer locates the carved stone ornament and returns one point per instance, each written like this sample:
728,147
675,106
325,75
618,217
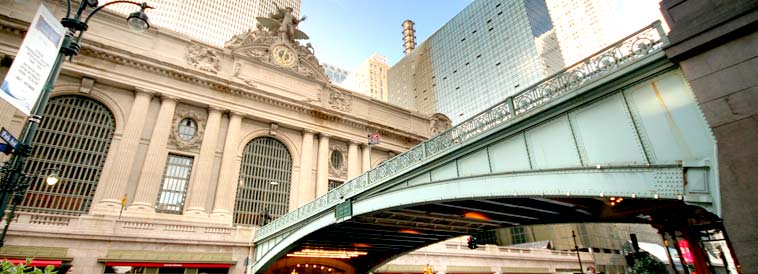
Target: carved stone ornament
438,123
203,58
194,142
275,41
340,101
341,171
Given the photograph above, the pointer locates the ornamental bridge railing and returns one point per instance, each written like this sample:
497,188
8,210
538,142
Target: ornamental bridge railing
643,43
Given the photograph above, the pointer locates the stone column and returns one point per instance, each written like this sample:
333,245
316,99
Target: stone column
366,158
307,188
198,188
227,181
155,161
353,161
114,186
322,172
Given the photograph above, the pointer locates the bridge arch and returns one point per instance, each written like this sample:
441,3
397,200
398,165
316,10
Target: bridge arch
570,147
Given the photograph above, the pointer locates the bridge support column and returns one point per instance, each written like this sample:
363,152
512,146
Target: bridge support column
716,50
692,236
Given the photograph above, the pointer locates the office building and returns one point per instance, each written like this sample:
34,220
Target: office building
370,78
209,21
494,49
602,241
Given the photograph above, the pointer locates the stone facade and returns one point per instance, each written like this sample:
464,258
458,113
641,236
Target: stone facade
453,256
716,45
151,82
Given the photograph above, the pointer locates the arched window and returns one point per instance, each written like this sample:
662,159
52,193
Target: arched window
263,192
74,136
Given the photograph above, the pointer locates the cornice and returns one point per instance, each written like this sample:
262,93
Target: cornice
13,26
145,63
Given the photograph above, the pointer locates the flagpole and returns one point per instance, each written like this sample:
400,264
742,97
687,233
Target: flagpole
368,137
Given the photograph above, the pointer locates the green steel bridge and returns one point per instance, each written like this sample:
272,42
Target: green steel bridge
617,137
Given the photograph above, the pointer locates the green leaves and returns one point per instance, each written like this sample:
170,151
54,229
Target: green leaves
649,265
10,268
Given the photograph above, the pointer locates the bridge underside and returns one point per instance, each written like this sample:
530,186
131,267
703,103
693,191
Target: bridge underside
554,153
386,234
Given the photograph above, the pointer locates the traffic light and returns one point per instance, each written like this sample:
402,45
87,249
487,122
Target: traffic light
472,242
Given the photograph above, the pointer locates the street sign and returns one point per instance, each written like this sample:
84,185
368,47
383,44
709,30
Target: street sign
34,61
8,137
345,209
5,148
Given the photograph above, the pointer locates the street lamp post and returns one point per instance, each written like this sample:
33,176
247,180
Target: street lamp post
14,179
19,191
576,247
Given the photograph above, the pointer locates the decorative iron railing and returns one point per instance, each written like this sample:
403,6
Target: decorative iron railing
638,45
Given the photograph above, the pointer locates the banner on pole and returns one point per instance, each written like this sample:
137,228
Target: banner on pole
35,59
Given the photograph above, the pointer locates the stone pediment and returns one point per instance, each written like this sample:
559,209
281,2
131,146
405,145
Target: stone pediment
271,43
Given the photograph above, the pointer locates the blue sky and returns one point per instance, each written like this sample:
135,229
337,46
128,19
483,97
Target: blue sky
346,32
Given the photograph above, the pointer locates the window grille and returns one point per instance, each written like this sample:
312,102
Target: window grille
334,184
263,192
518,235
74,136
187,129
174,185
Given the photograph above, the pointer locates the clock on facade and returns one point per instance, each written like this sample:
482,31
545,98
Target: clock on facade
284,56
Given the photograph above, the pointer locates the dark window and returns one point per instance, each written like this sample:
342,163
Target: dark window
334,184
263,192
74,136
518,235
336,160
174,185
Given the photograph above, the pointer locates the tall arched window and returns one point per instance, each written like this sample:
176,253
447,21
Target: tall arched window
263,192
74,136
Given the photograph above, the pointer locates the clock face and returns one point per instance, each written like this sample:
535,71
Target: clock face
284,56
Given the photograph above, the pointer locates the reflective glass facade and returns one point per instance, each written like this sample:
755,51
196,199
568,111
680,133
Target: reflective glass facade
489,51
335,74
495,49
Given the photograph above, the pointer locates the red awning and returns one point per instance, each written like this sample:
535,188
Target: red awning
37,263
169,264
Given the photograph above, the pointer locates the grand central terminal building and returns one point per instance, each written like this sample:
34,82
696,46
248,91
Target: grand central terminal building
173,152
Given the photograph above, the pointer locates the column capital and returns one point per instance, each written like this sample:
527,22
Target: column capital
233,113
308,130
168,97
324,135
215,108
354,142
144,91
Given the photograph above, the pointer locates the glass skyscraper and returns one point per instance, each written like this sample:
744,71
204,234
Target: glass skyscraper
210,21
335,74
485,53
494,49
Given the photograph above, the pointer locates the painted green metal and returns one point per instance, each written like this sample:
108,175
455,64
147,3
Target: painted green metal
619,133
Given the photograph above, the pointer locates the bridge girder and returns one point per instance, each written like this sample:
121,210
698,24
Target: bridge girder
555,153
